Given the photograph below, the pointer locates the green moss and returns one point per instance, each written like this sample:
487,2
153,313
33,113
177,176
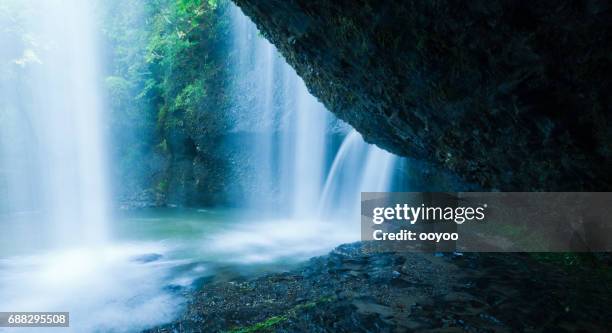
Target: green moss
269,323
265,325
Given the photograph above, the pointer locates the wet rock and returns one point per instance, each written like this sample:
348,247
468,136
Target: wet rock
368,306
511,95
138,200
146,258
479,293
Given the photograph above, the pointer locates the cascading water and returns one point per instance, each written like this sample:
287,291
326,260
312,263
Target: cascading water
65,152
309,124
296,163
56,249
255,91
52,162
357,167
291,124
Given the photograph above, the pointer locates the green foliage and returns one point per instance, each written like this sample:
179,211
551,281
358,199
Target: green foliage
185,50
166,78
190,98
118,90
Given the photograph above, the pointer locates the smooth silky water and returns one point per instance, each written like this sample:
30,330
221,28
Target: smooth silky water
61,249
138,279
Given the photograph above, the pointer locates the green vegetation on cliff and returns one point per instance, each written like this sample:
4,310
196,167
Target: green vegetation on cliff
165,82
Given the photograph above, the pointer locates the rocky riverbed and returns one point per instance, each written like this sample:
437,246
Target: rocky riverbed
355,289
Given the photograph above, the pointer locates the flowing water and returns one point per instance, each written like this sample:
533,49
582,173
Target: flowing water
62,251
303,170
61,120
297,166
133,282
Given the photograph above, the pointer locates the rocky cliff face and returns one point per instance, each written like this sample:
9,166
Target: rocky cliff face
513,95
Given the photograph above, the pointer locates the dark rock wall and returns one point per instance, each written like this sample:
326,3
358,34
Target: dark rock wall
512,95
216,172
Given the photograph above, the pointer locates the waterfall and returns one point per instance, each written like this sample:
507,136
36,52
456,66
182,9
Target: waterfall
307,190
357,167
294,129
59,170
290,123
310,122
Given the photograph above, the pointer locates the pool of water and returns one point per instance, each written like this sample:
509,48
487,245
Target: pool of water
142,275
